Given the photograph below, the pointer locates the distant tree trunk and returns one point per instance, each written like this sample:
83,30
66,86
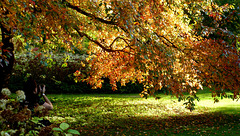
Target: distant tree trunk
7,57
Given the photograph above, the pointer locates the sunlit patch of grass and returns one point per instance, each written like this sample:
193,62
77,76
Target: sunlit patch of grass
98,114
207,104
227,106
59,119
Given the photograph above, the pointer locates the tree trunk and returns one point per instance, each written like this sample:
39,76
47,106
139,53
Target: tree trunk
7,57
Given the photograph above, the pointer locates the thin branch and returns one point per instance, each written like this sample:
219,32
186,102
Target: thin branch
89,14
160,36
98,43
116,40
111,22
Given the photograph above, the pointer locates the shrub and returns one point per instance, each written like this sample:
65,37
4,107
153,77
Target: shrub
17,119
57,72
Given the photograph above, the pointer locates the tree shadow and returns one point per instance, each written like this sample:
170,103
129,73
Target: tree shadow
229,110
169,125
208,119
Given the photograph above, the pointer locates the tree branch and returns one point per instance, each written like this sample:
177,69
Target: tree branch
99,44
89,14
116,40
160,36
111,22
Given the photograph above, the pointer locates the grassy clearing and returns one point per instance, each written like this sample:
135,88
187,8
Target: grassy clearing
121,114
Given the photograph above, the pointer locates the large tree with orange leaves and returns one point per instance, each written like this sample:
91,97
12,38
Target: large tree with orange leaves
158,43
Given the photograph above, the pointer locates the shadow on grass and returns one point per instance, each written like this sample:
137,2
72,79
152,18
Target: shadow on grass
104,115
230,110
210,123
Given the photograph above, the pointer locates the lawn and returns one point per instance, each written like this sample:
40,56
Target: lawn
128,114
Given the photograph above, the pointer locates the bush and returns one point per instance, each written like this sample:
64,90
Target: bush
57,73
17,119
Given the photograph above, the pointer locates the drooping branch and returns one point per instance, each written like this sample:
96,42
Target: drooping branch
82,34
218,69
79,10
160,36
89,14
125,40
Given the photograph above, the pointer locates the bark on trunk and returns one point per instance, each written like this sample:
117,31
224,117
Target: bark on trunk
7,57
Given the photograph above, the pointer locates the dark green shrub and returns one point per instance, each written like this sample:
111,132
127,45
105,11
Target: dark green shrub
57,73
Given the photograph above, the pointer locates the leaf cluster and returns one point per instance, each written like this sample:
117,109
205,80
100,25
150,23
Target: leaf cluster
16,119
64,130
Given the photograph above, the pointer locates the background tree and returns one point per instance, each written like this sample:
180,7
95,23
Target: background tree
153,42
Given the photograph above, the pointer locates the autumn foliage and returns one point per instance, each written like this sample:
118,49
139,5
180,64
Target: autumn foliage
158,43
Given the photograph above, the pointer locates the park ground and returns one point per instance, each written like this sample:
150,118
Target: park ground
128,114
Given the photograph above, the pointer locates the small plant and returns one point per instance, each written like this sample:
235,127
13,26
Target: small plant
17,119
189,101
64,130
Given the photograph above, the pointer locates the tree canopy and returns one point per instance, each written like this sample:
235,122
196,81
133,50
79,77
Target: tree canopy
181,45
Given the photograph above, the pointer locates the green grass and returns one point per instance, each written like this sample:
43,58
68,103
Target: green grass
128,114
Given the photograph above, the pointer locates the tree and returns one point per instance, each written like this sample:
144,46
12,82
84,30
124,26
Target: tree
153,42
7,58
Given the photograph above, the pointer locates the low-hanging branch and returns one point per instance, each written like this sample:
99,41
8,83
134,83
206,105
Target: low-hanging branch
82,34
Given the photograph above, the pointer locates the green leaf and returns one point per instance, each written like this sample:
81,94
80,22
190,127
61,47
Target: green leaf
73,132
36,120
64,126
57,129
